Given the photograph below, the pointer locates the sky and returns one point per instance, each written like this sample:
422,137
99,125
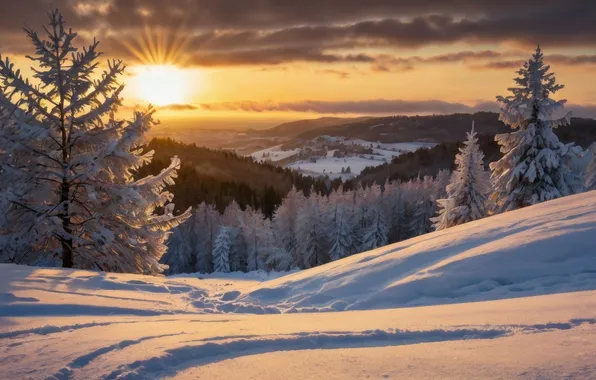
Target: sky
204,61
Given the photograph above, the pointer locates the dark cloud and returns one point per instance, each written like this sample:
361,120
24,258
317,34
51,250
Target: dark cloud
258,14
270,32
409,22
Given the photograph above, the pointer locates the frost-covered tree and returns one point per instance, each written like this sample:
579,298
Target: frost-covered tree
238,251
375,233
272,252
339,226
180,255
590,168
67,164
468,188
310,233
284,223
393,207
535,166
254,230
222,246
232,215
422,206
206,226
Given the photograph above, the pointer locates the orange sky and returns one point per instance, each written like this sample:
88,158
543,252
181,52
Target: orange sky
204,60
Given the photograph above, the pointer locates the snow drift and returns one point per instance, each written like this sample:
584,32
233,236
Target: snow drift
543,249
92,325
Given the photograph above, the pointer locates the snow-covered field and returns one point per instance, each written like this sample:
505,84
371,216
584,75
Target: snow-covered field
403,147
511,296
275,153
331,166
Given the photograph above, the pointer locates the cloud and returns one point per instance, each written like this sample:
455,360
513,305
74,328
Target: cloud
231,31
275,56
178,107
556,59
340,74
376,106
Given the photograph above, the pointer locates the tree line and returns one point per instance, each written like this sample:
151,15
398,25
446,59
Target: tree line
308,231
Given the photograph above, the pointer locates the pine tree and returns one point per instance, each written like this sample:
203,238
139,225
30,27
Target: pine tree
375,233
468,189
284,223
238,252
180,255
393,206
222,247
339,227
272,251
67,164
206,228
422,206
590,169
232,215
535,166
310,234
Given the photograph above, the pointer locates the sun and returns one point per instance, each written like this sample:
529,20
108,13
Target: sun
161,85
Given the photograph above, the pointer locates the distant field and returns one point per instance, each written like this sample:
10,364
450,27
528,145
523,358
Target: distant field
332,166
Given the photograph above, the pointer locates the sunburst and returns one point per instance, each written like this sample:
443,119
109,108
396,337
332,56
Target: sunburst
159,77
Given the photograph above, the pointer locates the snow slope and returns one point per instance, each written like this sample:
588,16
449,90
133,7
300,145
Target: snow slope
531,275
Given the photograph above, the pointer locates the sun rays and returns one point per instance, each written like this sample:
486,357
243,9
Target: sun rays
160,77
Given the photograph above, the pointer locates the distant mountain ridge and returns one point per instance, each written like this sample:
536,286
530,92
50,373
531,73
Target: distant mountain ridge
434,128
298,127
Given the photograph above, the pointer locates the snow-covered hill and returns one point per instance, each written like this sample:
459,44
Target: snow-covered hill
531,275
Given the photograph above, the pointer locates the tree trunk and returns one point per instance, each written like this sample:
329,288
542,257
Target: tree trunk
67,257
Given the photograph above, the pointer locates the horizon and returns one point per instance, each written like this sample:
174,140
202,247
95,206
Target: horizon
205,65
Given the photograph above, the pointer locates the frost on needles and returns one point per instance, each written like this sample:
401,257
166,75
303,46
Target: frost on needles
67,164
468,188
535,166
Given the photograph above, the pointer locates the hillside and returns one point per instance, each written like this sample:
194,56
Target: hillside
512,295
430,161
436,128
295,128
218,177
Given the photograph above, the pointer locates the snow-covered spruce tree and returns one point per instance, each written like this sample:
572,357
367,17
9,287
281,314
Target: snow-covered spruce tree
272,252
206,228
590,168
393,209
284,223
222,247
180,256
423,206
467,190
535,166
254,230
375,233
310,233
339,226
67,164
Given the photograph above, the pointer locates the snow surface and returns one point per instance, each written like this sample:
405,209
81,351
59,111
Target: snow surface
510,296
382,153
275,153
330,165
